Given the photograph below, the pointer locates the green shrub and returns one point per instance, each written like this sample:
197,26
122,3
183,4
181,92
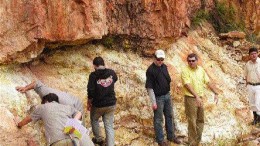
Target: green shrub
223,18
199,17
108,41
252,38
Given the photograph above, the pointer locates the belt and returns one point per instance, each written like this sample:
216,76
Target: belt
254,84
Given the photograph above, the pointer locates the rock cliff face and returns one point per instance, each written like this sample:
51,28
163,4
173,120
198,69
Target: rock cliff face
152,19
249,11
68,70
27,27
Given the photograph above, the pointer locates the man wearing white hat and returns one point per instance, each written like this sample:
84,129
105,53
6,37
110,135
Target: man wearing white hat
158,87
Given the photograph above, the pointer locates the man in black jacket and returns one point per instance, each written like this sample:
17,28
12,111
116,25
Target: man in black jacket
102,101
158,87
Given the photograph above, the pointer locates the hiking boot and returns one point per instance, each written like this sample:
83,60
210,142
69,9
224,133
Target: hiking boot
175,140
100,143
163,143
256,119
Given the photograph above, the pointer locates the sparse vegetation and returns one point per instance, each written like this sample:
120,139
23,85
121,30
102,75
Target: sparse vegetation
120,42
108,41
199,17
224,20
222,17
252,38
222,142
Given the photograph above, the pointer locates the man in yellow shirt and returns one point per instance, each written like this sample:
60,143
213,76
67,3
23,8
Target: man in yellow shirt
194,79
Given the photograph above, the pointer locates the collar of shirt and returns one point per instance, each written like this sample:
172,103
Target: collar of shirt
257,61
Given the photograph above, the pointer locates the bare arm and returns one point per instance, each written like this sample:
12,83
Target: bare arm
78,116
214,90
246,74
197,97
26,88
25,121
191,90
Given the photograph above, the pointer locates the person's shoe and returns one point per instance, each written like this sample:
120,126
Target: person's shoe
175,140
95,141
162,143
255,121
258,119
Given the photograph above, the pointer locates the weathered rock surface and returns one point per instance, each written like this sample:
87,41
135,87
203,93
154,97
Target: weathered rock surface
233,35
27,27
153,19
249,11
68,70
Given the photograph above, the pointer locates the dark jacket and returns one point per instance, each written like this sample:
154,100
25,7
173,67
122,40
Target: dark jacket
101,87
158,79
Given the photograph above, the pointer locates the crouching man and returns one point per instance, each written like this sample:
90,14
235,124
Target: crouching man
54,117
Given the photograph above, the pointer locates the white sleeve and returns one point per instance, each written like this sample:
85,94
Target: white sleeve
151,95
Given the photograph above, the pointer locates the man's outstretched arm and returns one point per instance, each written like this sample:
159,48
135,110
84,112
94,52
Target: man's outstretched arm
26,88
212,87
25,121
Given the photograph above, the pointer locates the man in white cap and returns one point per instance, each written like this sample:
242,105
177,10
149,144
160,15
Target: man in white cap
158,87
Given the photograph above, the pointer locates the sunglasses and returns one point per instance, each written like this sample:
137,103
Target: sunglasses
159,59
191,60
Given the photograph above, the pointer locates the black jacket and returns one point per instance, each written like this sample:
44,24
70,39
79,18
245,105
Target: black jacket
101,87
158,79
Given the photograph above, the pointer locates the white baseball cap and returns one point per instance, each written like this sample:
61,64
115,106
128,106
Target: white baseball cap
159,54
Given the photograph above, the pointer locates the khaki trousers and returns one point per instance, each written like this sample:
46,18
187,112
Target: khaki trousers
195,116
65,142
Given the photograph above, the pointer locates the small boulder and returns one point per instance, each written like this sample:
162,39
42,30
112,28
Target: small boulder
236,44
233,35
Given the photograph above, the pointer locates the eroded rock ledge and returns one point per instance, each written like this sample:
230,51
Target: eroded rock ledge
27,27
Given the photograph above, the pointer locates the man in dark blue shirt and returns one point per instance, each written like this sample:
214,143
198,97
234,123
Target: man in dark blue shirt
158,87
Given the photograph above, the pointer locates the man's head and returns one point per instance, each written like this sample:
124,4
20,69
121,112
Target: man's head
192,60
98,61
253,54
49,98
159,57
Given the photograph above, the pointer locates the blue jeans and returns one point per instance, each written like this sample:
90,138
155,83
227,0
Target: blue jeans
107,114
164,107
